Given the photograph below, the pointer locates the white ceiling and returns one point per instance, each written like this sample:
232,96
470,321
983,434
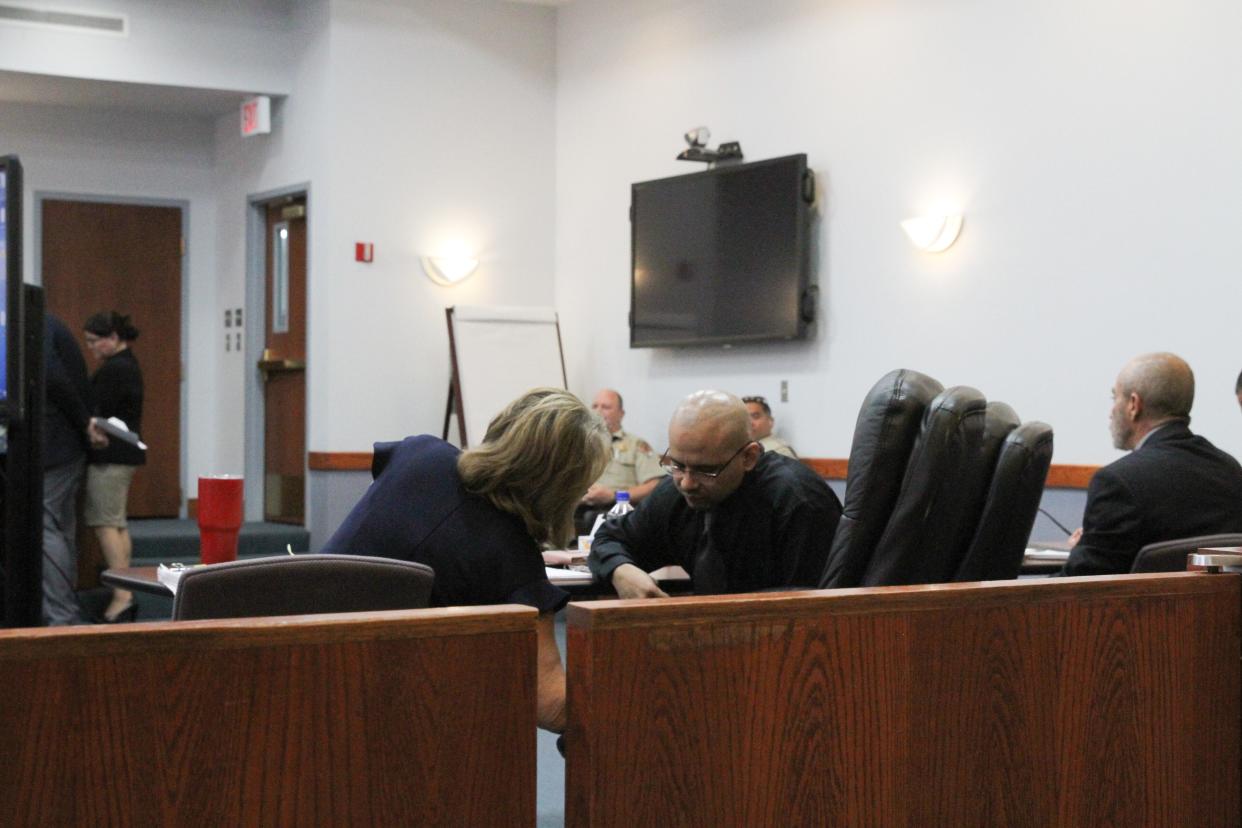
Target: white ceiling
20,87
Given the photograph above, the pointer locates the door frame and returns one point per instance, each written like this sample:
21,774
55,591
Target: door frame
183,205
255,321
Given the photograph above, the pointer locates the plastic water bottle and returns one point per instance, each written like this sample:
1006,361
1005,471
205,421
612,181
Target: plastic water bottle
621,507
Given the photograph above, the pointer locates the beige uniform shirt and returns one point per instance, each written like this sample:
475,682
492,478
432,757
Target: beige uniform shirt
776,444
633,462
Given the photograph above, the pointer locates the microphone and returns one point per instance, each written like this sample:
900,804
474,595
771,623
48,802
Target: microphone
1060,526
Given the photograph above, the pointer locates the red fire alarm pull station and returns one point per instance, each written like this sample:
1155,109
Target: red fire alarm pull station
363,251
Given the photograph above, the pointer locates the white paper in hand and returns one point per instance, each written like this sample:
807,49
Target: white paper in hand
115,427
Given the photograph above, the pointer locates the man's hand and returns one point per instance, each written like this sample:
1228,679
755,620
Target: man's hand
598,495
1076,537
631,582
96,435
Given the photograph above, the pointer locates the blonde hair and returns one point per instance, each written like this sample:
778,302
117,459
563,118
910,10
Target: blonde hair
540,455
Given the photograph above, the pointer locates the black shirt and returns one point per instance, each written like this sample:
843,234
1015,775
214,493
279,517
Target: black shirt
418,510
118,393
775,530
67,409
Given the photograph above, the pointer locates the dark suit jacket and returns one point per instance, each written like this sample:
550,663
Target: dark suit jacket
66,411
1177,485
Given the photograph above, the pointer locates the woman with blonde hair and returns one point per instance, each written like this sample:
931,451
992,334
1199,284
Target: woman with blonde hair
478,517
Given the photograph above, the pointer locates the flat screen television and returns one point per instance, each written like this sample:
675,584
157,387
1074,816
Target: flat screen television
722,257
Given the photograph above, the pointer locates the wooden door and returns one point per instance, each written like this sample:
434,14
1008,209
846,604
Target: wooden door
127,257
283,364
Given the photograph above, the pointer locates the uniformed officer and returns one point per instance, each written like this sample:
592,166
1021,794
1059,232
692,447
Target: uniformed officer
634,467
761,422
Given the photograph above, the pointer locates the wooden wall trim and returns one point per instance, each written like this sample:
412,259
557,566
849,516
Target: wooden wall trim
339,460
1059,477
1070,477
829,468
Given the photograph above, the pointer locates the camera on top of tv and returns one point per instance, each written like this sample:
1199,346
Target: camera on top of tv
697,138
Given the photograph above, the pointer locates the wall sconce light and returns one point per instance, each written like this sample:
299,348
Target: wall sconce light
449,270
933,234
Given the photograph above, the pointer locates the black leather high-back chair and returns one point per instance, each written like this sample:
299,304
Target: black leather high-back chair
887,427
1004,526
1170,555
301,585
930,516
975,476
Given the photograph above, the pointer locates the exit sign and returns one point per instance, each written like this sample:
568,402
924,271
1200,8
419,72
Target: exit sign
256,116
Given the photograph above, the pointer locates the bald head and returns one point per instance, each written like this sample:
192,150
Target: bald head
717,413
1150,390
1163,381
709,438
608,405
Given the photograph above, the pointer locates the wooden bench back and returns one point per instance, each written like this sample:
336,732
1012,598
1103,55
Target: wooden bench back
1075,701
389,718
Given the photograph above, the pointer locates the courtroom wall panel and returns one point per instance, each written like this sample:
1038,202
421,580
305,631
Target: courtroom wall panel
391,718
1087,701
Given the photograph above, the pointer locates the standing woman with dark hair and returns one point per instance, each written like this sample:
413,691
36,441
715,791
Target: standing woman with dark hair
117,386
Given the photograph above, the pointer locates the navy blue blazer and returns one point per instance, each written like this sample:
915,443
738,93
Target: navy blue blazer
1177,485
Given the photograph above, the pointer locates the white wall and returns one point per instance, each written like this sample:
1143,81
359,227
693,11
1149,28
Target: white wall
131,156
415,126
298,153
212,45
442,133
1092,146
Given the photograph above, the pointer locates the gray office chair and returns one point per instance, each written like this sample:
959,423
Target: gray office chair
301,585
1170,555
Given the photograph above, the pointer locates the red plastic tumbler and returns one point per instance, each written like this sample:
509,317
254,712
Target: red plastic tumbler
219,517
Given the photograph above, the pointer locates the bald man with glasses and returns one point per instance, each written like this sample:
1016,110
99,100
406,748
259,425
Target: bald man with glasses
738,519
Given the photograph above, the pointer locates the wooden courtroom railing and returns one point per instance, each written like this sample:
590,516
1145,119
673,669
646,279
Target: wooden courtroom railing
387,718
1073,701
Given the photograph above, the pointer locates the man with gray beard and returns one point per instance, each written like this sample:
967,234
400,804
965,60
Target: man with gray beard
1173,484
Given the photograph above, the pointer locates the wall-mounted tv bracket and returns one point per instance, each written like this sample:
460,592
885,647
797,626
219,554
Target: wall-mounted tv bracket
808,302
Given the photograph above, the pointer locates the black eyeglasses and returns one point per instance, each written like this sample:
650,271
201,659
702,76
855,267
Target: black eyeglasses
680,469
